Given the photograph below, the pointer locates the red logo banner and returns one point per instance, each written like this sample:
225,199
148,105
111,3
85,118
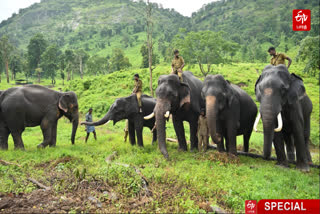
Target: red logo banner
291,206
301,20
251,206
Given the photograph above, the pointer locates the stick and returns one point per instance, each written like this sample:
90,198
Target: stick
111,157
38,184
6,163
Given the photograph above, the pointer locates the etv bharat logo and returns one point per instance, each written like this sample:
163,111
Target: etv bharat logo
301,20
251,207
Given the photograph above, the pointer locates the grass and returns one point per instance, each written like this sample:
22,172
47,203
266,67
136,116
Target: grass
187,183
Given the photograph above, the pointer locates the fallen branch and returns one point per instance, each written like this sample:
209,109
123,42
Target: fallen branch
111,157
39,184
6,163
249,154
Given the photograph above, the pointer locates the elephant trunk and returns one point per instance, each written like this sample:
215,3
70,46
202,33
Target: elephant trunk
75,124
160,110
211,112
268,119
104,120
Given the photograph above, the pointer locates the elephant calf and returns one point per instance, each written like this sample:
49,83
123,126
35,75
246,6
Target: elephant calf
35,105
230,112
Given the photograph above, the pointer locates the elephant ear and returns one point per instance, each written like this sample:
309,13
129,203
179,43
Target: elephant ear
230,93
63,102
184,93
296,90
256,89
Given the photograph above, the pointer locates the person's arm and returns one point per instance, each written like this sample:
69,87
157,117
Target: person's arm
289,61
135,89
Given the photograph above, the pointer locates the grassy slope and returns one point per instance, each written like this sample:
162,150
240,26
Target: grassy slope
210,178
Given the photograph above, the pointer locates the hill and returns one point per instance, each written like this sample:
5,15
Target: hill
98,26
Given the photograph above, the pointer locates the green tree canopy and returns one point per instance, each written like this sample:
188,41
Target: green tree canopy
36,48
145,57
309,52
204,47
5,51
50,62
118,60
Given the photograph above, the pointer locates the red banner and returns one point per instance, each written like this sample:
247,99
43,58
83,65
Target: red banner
301,20
291,206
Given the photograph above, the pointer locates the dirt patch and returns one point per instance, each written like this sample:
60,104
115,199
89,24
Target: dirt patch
222,157
242,84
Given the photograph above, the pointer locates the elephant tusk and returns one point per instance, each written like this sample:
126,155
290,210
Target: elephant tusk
256,122
280,124
149,116
167,114
108,122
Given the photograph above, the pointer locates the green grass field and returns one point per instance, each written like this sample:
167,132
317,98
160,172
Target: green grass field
81,180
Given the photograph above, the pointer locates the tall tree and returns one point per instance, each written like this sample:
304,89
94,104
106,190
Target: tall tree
15,65
81,57
118,60
50,62
36,48
97,65
69,58
309,52
5,51
145,57
149,41
205,48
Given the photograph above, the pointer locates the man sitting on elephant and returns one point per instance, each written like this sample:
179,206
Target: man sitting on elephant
138,90
177,65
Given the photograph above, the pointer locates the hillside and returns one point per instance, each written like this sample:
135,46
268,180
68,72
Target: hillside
98,26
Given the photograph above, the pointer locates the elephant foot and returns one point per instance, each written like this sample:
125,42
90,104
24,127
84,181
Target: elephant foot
53,145
303,167
283,164
19,148
181,149
291,156
3,147
41,146
153,142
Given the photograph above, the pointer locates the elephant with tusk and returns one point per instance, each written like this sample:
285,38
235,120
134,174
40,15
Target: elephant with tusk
285,110
183,101
127,108
230,112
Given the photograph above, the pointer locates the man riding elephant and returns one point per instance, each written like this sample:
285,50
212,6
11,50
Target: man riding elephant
177,65
137,90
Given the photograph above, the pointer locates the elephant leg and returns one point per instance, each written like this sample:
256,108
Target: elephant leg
279,147
4,134
54,135
232,138
193,134
17,139
301,153
139,131
132,136
307,138
46,128
220,145
289,146
178,127
154,136
246,139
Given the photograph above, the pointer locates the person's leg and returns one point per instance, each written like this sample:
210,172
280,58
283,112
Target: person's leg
88,133
95,135
139,101
206,142
199,142
180,76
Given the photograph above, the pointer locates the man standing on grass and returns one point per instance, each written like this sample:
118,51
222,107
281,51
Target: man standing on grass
90,128
177,64
137,90
203,132
278,58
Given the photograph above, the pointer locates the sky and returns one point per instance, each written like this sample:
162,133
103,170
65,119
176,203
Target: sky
8,7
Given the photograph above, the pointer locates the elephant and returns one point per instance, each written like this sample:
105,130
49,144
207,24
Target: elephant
34,105
230,112
181,99
285,110
127,108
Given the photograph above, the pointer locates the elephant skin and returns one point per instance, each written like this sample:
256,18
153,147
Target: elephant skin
127,108
278,91
35,105
230,112
184,102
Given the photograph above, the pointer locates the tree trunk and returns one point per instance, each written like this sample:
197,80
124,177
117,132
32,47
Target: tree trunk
81,74
7,72
149,43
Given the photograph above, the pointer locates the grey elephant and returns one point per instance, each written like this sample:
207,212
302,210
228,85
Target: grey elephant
35,105
230,112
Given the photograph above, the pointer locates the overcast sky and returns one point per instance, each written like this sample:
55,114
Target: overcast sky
185,7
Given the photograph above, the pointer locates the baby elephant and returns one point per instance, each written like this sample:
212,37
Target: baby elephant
35,105
230,112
